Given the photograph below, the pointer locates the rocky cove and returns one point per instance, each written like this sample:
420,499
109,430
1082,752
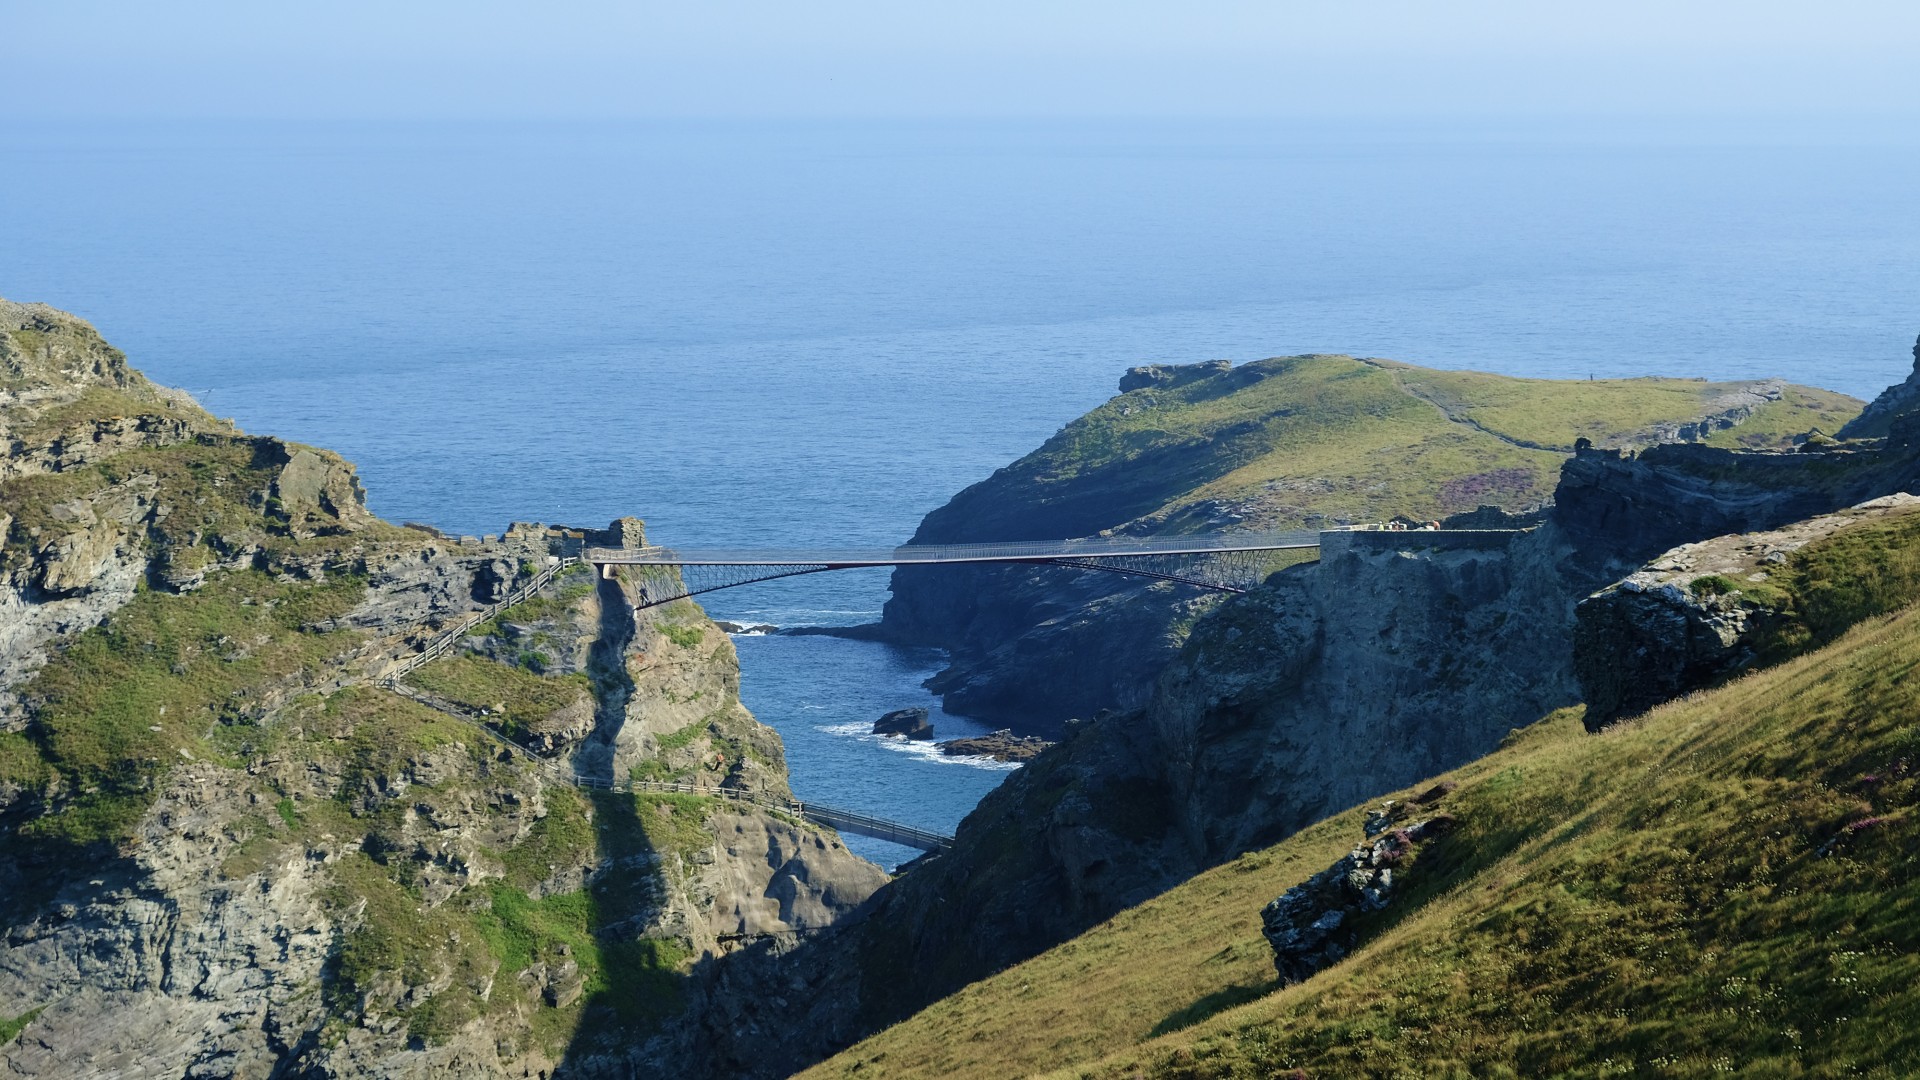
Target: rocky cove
228,849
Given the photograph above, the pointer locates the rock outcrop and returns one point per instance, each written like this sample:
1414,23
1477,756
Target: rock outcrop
1002,745
1629,507
906,723
1169,376
1704,612
1315,923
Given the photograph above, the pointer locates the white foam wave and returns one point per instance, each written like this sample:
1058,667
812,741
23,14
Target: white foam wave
926,751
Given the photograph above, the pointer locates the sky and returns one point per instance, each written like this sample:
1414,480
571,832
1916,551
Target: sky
596,59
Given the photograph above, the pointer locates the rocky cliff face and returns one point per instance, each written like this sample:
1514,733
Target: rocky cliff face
1631,507
226,849
1288,443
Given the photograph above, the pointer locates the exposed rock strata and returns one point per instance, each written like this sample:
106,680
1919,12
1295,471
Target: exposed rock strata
1630,507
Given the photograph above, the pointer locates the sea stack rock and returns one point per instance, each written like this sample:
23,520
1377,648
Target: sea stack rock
911,723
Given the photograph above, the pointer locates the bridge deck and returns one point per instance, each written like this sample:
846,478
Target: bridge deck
929,554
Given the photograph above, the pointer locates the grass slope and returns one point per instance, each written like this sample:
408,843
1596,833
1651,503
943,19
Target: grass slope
1725,886
1300,440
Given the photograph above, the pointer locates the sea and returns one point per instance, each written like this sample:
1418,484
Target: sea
813,332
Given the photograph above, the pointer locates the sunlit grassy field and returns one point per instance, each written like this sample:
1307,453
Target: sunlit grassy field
1335,437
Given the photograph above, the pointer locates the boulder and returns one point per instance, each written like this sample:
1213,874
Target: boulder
910,723
1312,924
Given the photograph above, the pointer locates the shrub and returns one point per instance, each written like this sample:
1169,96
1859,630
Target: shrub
1712,585
684,636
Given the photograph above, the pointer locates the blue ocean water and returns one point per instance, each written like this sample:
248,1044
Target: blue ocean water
763,334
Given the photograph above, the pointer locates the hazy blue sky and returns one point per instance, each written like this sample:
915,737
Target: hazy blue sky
600,58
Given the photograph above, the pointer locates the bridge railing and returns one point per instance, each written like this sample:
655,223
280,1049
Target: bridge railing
446,640
1009,551
878,828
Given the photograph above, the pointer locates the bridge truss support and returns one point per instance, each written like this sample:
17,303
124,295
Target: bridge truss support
1218,571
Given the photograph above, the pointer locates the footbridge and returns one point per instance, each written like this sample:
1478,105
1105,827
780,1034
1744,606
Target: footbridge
1214,562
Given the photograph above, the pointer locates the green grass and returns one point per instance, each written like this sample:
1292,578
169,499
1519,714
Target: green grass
1713,585
516,697
683,738
1553,413
11,1029
1729,884
686,637
555,841
397,937
653,769
126,701
370,732
1316,438
675,824
1862,571
636,982
1801,409
106,403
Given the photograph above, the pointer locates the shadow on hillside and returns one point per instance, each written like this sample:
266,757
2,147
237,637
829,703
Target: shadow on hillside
638,984
38,871
1217,1002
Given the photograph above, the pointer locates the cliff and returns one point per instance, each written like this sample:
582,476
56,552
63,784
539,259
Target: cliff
1631,507
227,848
1287,443
1395,656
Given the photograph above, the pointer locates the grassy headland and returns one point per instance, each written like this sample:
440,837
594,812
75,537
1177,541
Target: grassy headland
1306,440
